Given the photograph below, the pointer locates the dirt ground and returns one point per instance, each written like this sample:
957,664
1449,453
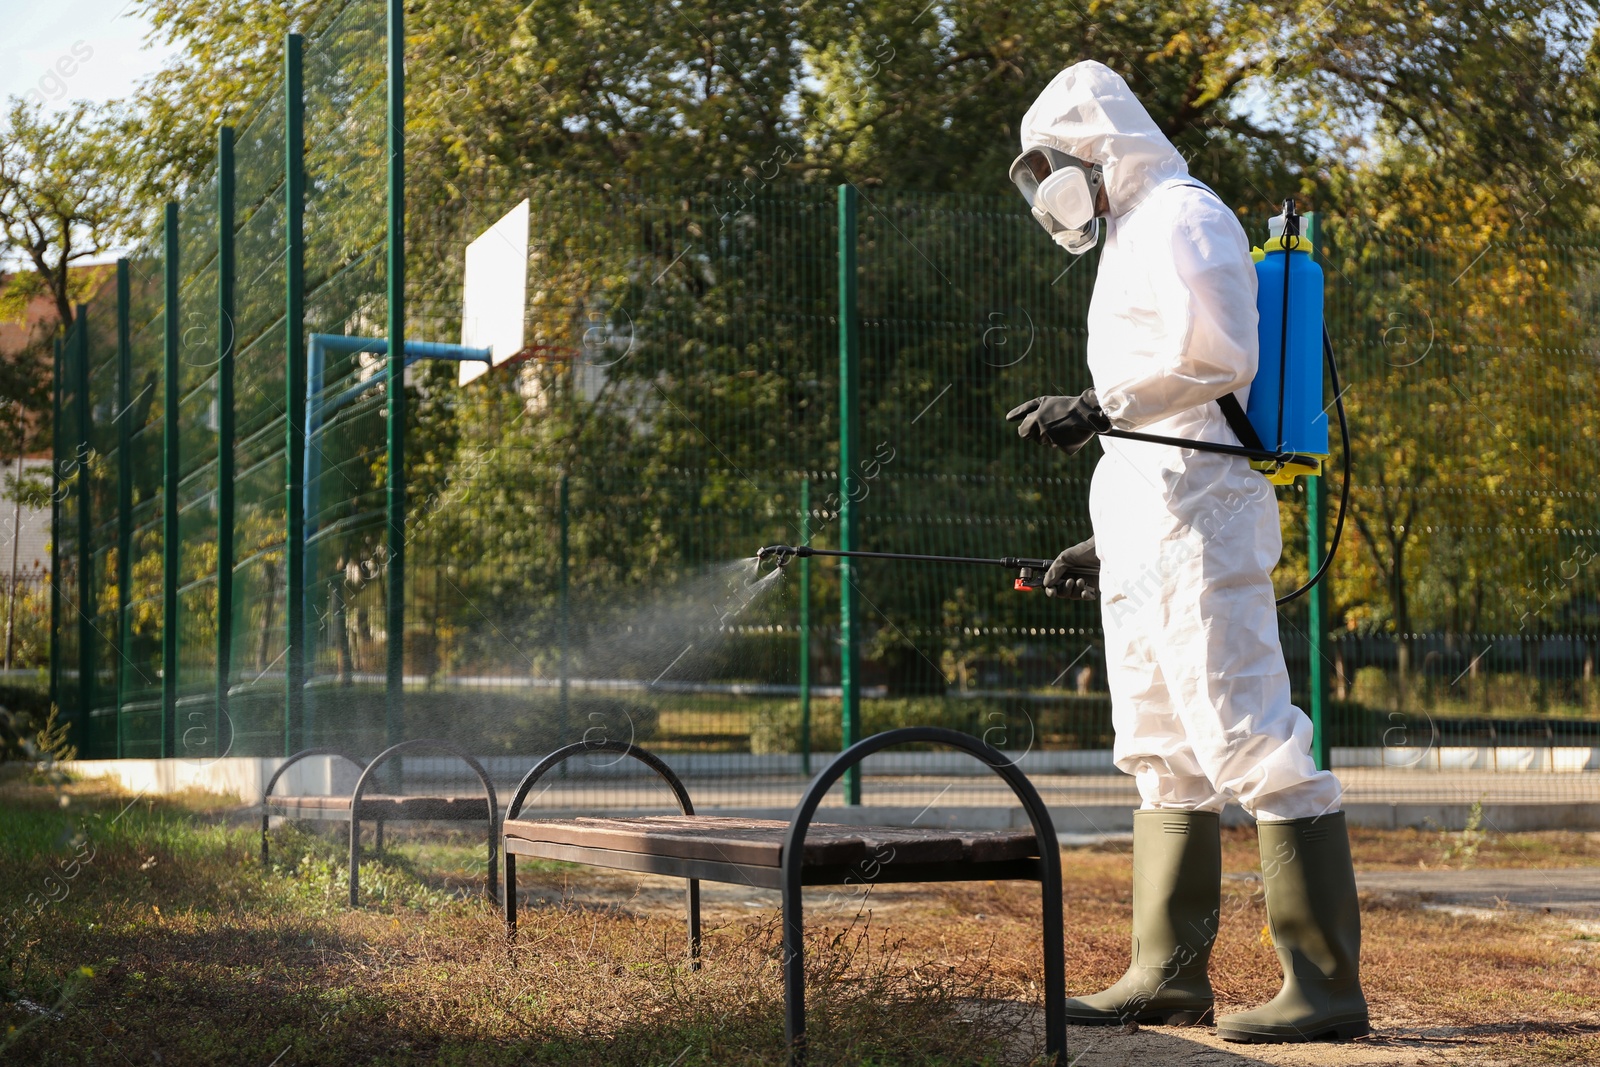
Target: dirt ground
142,932
1466,958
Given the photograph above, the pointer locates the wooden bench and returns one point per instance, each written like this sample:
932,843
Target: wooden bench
383,808
790,855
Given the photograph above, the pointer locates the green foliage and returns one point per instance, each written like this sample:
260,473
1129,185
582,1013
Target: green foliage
1463,846
52,739
28,726
486,721
680,162
315,868
710,88
30,621
1011,725
62,200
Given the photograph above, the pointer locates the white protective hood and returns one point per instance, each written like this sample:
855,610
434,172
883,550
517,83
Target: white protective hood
1089,112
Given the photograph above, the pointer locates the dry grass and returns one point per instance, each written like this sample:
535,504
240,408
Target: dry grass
199,957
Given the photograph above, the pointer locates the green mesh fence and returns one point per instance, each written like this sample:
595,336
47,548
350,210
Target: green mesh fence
1468,604
576,519
139,690
194,710
97,328
964,315
346,391
256,669
67,500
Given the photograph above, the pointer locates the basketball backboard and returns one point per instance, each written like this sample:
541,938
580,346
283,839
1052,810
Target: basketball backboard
494,292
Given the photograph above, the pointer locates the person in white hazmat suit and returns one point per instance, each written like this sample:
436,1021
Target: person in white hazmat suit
1186,541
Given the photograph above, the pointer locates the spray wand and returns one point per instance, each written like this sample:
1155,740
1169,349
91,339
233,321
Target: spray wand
1030,572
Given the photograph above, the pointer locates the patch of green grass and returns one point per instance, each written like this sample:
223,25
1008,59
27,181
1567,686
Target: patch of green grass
1584,1049
139,929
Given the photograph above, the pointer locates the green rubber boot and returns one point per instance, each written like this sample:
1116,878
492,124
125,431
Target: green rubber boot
1316,928
1177,898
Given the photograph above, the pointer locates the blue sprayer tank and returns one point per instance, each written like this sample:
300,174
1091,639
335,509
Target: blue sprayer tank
1302,424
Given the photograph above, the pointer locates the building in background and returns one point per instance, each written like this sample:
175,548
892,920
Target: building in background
24,529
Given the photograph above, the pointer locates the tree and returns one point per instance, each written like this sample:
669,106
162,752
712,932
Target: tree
62,198
1436,132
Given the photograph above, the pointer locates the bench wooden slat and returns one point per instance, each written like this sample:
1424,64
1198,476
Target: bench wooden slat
759,842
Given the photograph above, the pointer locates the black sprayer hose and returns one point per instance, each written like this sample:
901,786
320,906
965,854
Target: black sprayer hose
1344,490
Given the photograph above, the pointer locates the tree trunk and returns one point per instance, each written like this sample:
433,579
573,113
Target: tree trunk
1588,687
1531,645
265,644
1402,623
341,626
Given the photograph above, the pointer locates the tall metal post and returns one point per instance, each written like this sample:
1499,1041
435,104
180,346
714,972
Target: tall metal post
394,693
294,708
124,491
849,388
566,614
1317,603
225,431
805,628
86,589
171,470
57,435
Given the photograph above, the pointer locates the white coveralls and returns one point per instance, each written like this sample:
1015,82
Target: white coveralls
1187,539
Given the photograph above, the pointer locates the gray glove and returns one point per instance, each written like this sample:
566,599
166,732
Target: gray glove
1067,422
1075,575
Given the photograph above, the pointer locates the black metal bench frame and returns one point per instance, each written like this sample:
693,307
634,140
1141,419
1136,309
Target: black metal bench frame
359,792
304,753
493,888
794,874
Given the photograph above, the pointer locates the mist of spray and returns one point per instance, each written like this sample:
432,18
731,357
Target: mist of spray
672,636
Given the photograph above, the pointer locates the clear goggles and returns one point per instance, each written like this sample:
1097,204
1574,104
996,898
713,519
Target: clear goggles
1062,192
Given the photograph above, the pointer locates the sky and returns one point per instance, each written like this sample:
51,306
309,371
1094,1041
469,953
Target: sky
57,51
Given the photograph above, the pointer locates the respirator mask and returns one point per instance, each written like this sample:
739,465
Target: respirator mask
1062,192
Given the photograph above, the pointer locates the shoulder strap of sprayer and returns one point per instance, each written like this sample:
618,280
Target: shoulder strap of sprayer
1232,410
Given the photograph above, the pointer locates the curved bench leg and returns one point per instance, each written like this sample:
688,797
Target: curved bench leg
1055,969
693,895
794,977
264,818
511,897
377,844
493,888
355,857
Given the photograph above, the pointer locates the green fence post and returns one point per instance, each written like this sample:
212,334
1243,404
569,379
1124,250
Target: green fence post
86,590
394,693
295,396
1317,604
564,579
805,628
56,434
124,490
849,387
225,432
170,477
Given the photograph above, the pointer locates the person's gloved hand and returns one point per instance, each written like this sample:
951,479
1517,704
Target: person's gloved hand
1067,422
1075,575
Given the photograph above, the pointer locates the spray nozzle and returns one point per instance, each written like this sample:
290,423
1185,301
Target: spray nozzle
780,555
